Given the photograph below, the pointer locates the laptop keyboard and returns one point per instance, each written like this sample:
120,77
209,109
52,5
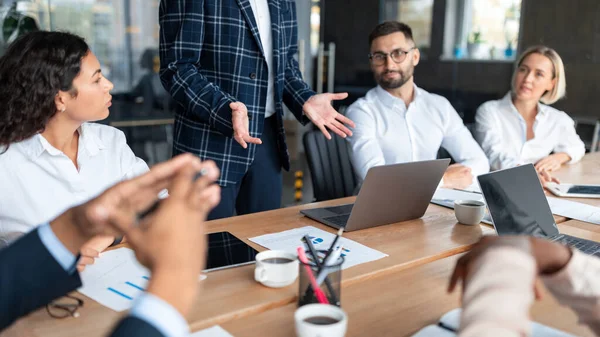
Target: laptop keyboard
343,209
338,220
585,246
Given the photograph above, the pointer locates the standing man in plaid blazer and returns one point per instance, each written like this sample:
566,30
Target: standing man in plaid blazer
229,64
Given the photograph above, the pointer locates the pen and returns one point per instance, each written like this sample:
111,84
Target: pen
155,205
337,237
333,257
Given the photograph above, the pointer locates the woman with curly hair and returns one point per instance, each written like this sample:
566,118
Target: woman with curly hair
51,157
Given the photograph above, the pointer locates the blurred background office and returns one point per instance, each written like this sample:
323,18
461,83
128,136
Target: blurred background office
468,49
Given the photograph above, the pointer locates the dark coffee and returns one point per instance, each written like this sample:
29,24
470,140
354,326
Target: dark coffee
321,320
472,205
277,260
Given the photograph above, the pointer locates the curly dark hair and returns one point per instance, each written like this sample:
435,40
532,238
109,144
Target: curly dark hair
32,71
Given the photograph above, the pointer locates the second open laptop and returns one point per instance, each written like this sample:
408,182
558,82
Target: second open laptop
389,194
518,206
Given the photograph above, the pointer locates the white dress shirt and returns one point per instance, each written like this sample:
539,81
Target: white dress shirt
39,182
260,9
149,308
502,133
387,132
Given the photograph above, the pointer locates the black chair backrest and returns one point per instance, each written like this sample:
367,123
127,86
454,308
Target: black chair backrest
330,167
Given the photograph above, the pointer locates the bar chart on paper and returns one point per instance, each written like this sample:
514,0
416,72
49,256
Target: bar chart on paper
115,280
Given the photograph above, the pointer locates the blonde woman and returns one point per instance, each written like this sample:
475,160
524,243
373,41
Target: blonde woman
522,128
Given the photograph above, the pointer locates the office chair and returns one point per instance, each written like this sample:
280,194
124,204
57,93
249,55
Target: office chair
588,130
330,167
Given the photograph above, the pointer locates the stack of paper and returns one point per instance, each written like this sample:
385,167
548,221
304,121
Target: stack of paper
353,252
570,209
449,195
575,210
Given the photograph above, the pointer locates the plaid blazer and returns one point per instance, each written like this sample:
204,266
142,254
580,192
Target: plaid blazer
211,56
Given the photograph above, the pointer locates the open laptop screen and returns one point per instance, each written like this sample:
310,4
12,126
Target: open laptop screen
517,203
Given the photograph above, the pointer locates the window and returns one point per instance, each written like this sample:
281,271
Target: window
315,26
415,13
482,29
20,17
119,32
497,21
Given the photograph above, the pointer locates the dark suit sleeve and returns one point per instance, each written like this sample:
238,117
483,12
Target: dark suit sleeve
133,327
181,35
30,277
295,91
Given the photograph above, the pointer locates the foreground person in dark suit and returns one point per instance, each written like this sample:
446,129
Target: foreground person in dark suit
41,266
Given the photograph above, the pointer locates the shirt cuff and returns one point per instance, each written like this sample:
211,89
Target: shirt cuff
56,248
161,315
575,156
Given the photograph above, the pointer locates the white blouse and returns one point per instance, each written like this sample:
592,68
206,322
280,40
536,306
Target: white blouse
38,182
502,133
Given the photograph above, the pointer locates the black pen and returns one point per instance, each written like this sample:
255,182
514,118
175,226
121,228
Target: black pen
332,247
155,205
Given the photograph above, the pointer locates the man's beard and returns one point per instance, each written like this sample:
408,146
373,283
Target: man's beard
394,83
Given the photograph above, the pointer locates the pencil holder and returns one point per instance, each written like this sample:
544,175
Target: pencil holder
331,286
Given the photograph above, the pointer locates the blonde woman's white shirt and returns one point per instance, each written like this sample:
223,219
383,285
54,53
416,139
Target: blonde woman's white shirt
502,133
39,182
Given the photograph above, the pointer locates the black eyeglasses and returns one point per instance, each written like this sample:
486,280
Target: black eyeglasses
64,307
397,56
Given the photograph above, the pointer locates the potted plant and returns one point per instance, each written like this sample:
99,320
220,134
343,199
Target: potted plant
476,46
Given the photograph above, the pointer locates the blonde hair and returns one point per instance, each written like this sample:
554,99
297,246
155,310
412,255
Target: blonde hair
558,73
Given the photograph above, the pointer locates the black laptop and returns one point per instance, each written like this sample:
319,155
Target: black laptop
518,206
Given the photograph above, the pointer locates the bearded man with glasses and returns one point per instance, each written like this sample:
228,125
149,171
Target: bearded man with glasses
398,122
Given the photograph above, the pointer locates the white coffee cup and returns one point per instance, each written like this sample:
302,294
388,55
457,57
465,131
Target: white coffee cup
320,320
469,212
276,268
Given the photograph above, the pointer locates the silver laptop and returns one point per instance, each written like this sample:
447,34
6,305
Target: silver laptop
389,194
518,206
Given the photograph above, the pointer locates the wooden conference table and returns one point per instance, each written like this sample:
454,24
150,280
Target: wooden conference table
395,295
